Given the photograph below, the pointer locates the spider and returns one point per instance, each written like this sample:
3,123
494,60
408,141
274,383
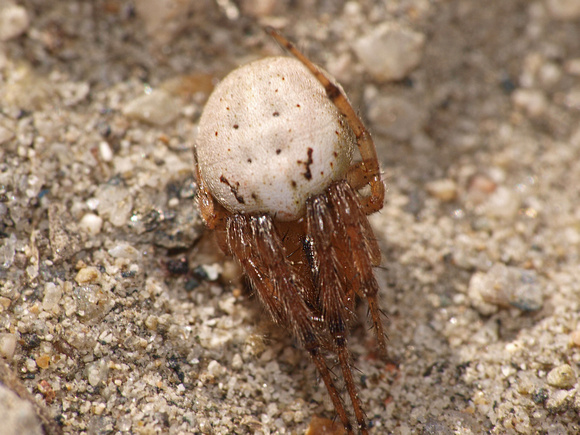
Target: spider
278,186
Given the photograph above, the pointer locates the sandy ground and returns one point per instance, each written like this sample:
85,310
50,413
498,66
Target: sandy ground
119,315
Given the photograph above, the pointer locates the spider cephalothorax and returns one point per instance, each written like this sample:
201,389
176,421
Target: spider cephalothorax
277,183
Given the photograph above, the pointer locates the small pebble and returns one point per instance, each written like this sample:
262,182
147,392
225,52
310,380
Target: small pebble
43,361
212,271
115,203
13,21
503,203
157,108
17,415
92,301
97,372
532,101
562,377
390,51
105,151
444,189
88,275
214,368
395,117
52,295
575,339
237,362
91,223
504,286
124,250
557,402
7,345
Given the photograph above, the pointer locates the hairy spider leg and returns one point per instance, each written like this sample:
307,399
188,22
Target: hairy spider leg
367,171
360,252
343,250
256,244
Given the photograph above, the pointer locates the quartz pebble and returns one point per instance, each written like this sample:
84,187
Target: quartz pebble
115,203
91,223
157,108
505,286
88,275
13,21
124,250
97,372
562,377
7,345
532,101
390,51
17,415
52,295
444,189
395,117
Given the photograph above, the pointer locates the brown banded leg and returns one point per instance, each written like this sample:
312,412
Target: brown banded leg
337,295
369,165
255,243
361,253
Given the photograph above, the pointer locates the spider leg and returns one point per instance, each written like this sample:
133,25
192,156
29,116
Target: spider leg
362,252
257,246
368,170
336,280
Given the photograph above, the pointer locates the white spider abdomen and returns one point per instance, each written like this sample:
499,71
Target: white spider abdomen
269,138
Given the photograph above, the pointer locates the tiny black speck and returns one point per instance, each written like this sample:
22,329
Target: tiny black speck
278,151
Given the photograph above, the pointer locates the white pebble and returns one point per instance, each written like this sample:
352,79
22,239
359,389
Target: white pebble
115,203
390,51
91,223
562,377
17,415
214,368
7,345
532,101
237,361
503,203
13,22
105,151
157,108
97,372
212,271
444,189
504,286
52,295
88,275
124,250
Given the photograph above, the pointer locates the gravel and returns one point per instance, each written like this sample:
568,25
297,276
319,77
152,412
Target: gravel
118,313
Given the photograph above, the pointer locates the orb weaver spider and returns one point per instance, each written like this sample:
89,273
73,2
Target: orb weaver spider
278,186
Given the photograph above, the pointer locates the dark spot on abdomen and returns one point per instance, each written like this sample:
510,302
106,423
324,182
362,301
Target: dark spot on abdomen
234,189
307,174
